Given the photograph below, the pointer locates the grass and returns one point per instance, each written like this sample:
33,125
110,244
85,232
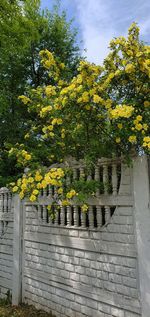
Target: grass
6,310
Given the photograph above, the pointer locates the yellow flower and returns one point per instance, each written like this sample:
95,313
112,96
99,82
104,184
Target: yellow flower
50,127
62,65
19,182
85,97
79,79
32,197
59,121
39,186
71,194
108,103
15,189
65,202
129,68
24,186
146,103
138,126
88,107
27,136
21,195
145,126
96,99
146,139
132,139
30,180
28,157
120,126
51,134
38,177
45,110
139,118
24,99
60,190
121,111
54,121
118,140
50,91
84,208
35,192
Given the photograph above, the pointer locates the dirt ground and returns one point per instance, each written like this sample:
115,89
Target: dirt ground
21,311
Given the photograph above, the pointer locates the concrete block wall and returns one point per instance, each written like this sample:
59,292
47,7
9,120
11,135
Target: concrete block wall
77,271
81,272
6,248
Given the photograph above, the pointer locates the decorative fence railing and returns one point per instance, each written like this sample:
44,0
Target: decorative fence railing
107,173
5,209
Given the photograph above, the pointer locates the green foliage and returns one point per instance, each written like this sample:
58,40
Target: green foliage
86,188
102,111
25,30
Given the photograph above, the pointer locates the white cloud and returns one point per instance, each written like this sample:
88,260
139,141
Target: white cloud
101,20
93,18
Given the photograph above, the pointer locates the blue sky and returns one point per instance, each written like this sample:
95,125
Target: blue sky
98,21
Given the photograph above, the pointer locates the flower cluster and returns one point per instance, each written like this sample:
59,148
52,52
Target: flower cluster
102,111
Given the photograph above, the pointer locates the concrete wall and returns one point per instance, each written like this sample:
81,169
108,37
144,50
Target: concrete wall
6,242
79,271
82,272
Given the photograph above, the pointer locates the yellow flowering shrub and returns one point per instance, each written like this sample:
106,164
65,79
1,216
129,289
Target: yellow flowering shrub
102,111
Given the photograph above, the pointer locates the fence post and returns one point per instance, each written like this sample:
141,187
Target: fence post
17,251
142,223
